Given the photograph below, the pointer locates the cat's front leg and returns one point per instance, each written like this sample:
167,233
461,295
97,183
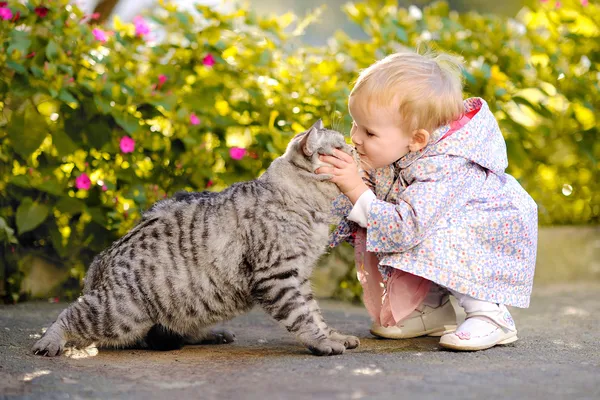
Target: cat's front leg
350,342
280,296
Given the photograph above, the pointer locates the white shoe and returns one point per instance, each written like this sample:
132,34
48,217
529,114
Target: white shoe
482,330
425,320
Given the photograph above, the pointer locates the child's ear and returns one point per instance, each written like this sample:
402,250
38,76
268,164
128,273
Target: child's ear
420,139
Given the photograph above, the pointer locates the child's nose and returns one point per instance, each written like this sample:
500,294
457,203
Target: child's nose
356,140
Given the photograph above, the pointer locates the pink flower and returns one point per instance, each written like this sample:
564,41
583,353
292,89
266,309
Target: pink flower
161,81
194,120
127,144
208,60
99,34
585,3
558,4
104,188
5,13
141,26
95,16
83,182
237,153
209,183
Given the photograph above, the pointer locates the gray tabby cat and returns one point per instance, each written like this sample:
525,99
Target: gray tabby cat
202,258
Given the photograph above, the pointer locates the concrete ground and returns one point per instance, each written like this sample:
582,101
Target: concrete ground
557,357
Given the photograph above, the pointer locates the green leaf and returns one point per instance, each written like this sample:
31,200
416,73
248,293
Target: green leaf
70,205
469,77
126,121
27,131
98,132
37,72
401,34
66,68
74,123
64,144
52,50
21,181
103,105
7,234
98,215
51,186
57,239
97,237
18,68
167,102
30,215
19,40
66,96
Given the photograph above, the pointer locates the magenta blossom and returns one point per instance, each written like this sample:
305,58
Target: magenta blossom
237,153
161,81
5,13
127,144
83,182
99,34
141,26
585,3
194,120
208,60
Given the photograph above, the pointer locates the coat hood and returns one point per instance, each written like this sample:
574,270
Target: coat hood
479,140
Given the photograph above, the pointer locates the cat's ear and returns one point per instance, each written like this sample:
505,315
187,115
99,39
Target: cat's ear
318,124
308,143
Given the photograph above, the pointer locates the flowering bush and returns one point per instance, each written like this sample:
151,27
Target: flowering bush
98,124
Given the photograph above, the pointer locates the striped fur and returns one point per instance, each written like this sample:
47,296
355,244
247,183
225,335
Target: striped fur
201,258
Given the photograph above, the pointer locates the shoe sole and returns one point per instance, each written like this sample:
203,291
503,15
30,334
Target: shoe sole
453,346
432,332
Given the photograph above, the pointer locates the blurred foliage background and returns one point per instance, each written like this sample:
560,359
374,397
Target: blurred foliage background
98,123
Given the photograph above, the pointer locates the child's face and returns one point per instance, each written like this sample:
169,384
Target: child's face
377,135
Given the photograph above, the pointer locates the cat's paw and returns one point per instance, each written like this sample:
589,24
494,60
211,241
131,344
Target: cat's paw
217,336
327,347
350,342
50,345
222,336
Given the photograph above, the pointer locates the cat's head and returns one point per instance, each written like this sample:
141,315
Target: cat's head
304,149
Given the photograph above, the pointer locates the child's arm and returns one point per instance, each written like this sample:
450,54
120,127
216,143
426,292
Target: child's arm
436,185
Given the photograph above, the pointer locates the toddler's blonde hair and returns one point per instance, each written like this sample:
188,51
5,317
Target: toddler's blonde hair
426,87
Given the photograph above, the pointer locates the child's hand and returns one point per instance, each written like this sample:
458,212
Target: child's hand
345,174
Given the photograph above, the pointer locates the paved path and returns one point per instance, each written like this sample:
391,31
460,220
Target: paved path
558,357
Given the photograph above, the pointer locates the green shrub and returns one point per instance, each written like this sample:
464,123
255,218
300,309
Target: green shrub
93,131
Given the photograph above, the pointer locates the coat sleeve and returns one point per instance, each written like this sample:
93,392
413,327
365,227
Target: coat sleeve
341,208
345,229
436,186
